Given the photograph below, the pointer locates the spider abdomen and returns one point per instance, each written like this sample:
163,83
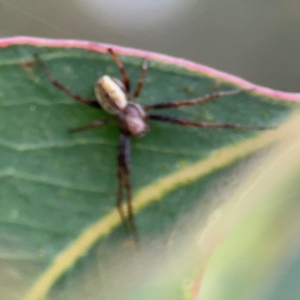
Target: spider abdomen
110,94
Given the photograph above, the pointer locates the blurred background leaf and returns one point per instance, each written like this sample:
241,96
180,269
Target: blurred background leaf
260,257
254,39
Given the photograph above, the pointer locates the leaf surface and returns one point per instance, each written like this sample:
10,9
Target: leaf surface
58,189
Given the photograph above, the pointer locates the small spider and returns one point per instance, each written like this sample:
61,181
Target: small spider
114,97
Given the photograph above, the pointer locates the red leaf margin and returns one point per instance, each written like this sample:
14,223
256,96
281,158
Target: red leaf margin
180,62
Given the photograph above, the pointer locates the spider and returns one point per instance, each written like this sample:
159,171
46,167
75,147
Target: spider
114,97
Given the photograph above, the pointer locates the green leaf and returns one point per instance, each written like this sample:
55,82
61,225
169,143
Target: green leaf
60,227
253,261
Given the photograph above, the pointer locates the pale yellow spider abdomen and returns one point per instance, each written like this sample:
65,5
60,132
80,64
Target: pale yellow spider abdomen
110,94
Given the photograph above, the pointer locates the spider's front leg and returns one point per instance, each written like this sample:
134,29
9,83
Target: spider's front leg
183,122
192,102
123,157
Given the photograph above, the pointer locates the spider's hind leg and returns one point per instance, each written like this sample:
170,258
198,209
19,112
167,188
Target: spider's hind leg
61,87
122,69
141,79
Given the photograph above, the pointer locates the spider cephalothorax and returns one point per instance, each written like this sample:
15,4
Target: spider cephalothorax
114,97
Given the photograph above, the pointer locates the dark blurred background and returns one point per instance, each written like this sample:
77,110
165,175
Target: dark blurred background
258,40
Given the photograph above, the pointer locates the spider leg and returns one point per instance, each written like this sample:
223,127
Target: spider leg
90,126
183,122
61,87
120,193
120,65
124,169
141,79
206,98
